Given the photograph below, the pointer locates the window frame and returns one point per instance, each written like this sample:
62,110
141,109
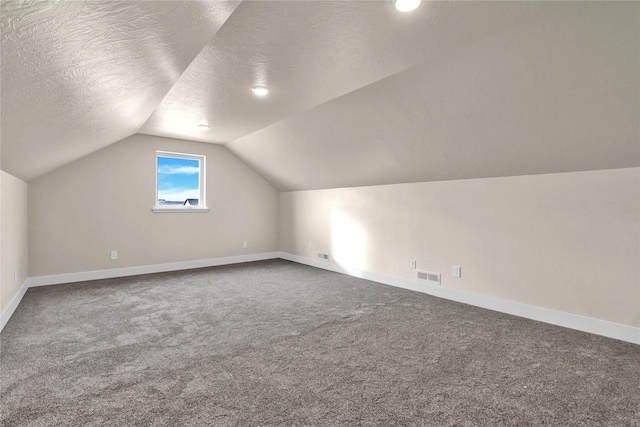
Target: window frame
202,201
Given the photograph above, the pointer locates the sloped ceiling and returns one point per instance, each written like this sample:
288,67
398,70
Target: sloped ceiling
78,76
361,94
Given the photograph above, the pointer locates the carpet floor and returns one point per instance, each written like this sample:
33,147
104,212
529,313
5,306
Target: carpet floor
278,343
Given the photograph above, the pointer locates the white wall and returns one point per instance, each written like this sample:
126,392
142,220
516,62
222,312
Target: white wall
568,241
13,253
80,212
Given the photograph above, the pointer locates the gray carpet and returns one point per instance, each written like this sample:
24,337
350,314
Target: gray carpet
277,343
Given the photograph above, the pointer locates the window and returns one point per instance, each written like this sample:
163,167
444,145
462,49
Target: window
180,183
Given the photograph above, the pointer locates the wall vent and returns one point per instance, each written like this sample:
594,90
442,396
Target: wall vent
323,256
428,276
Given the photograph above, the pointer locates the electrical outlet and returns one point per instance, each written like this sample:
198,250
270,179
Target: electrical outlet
456,271
413,264
114,254
15,276
245,244
310,247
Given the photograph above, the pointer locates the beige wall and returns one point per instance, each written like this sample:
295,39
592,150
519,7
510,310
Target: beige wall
568,241
14,253
80,212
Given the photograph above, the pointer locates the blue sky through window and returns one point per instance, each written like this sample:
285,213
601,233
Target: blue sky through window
178,179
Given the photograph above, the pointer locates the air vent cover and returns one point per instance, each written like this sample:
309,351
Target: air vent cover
428,276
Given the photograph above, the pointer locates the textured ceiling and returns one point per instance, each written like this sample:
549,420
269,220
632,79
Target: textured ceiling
557,94
77,76
360,94
308,53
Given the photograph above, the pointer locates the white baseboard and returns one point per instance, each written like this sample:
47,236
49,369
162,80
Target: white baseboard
58,279
568,320
15,301
146,269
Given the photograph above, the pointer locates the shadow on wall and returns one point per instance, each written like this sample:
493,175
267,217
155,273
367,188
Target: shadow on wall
348,241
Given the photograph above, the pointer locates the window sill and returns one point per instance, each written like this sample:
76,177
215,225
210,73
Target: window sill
180,210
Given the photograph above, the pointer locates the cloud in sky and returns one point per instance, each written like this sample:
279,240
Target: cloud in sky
178,194
177,170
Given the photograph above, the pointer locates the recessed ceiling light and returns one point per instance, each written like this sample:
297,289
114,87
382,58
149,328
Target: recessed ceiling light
406,5
204,126
260,90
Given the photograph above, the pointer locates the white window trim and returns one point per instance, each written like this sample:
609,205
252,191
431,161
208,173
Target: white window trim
202,201
186,209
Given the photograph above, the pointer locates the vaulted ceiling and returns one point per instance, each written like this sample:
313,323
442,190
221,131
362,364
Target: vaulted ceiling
360,94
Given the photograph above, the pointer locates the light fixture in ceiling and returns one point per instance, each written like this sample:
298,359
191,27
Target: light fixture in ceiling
406,5
204,127
260,90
